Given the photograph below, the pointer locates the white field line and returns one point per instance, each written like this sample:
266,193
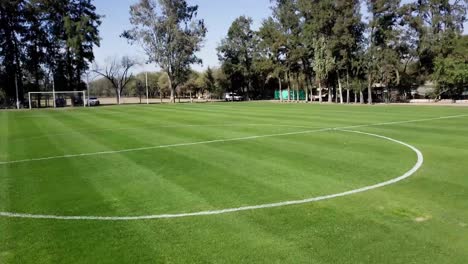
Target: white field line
419,163
160,147
210,125
219,140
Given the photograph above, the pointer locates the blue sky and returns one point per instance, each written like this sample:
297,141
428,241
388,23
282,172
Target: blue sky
218,16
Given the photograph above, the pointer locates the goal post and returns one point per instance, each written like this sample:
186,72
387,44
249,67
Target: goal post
58,95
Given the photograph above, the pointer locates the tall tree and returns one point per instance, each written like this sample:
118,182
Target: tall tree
324,63
272,44
286,13
170,34
82,34
35,42
117,72
319,19
237,51
451,72
12,27
382,56
434,25
209,81
347,36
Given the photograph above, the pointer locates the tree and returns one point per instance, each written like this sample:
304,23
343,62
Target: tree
11,29
434,25
318,21
358,64
164,85
222,82
292,51
236,52
272,44
382,56
324,63
194,85
170,34
40,38
451,72
347,35
81,35
209,81
117,72
35,41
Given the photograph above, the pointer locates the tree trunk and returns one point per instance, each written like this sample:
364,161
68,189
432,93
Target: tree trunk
330,99
340,90
361,97
160,95
117,93
369,89
172,98
347,87
355,97
171,88
298,98
320,92
280,90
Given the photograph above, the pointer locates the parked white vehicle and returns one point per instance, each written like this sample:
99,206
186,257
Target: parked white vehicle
233,97
93,101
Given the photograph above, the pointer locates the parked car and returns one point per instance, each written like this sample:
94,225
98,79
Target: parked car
93,101
232,97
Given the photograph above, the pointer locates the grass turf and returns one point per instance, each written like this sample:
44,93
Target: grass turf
421,220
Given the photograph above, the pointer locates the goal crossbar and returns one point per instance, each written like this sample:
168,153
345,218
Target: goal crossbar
57,92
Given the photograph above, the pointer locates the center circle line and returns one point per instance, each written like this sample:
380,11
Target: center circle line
409,173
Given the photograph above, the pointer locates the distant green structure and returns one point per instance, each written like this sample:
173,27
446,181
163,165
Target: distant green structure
293,96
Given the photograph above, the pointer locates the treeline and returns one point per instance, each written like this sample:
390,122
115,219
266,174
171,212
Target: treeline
324,49
45,40
328,49
209,84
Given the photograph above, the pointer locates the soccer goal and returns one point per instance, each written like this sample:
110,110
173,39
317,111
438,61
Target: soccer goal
57,99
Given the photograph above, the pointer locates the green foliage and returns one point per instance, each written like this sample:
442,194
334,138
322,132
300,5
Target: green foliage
419,221
40,38
324,62
170,34
451,72
209,81
236,53
434,24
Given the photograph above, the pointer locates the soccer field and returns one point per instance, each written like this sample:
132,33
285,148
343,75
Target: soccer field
235,183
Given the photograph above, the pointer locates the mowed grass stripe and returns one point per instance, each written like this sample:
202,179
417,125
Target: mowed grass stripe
242,175
375,227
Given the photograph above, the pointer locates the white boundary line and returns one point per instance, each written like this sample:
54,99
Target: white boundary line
212,125
409,173
219,140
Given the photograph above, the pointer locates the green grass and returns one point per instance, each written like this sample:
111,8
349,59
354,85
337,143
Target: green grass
423,219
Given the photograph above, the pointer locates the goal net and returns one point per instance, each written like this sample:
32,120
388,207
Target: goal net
57,99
